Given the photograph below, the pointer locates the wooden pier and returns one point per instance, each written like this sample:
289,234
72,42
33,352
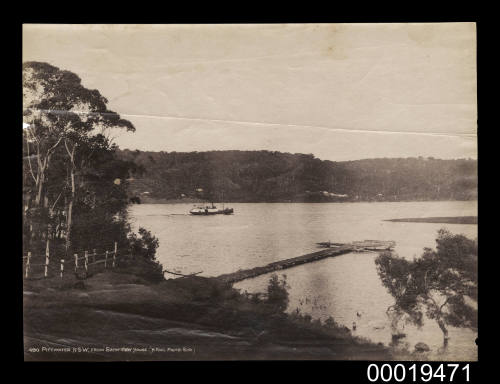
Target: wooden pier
358,246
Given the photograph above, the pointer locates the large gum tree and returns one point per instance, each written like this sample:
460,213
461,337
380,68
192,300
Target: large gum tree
62,119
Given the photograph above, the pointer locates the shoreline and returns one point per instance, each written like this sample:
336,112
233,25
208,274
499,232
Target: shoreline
438,220
178,201
180,319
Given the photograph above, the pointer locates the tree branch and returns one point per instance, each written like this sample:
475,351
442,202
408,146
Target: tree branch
71,153
55,202
51,149
29,160
445,302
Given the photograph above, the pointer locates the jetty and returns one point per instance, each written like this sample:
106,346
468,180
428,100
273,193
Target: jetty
331,251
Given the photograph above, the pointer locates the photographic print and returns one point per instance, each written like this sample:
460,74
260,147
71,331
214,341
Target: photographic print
249,192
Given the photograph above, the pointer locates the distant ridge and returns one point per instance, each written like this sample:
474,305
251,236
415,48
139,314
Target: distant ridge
266,176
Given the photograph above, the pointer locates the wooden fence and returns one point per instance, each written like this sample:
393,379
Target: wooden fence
81,264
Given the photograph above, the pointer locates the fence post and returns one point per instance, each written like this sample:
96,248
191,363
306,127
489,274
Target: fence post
62,268
76,262
114,254
28,264
105,259
47,257
93,258
86,261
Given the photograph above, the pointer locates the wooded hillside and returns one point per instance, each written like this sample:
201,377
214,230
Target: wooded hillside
266,176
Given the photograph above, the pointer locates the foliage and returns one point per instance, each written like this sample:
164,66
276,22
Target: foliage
442,283
142,262
74,185
257,176
145,246
277,293
56,98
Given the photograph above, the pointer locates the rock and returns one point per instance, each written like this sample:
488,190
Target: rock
422,347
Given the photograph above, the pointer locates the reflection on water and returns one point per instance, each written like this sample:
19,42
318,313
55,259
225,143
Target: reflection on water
340,287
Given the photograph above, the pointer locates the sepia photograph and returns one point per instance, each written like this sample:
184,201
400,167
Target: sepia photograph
302,191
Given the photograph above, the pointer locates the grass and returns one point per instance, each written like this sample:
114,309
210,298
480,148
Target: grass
191,318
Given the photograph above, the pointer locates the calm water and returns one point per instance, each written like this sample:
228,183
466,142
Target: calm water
258,234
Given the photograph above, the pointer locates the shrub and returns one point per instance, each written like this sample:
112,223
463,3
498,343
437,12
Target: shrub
277,293
143,251
145,246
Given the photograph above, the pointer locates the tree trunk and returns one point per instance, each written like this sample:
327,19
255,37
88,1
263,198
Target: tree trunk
445,331
41,181
69,217
42,169
70,212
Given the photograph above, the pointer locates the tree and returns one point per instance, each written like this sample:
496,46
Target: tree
442,283
145,246
277,293
100,198
61,112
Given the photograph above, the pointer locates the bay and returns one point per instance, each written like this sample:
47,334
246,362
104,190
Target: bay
341,287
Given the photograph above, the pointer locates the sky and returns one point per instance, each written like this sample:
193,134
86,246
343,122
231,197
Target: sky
338,91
